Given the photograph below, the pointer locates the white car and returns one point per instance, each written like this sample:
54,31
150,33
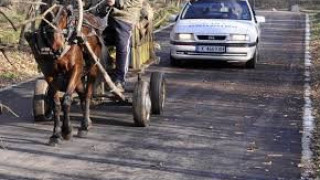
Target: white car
226,30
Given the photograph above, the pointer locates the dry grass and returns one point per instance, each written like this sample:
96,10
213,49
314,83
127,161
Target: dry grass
23,68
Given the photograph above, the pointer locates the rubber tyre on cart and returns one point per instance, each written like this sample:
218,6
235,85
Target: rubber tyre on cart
141,104
157,92
42,106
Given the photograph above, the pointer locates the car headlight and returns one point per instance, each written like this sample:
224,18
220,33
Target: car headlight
183,37
239,37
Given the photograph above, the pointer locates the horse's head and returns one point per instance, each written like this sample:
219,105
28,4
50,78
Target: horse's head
55,28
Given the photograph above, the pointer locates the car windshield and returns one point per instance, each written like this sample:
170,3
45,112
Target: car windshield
217,9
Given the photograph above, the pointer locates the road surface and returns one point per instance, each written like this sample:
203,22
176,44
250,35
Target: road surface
221,121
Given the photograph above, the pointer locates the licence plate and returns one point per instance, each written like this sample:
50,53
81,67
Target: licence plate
212,49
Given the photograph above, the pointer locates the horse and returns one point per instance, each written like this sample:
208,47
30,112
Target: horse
71,68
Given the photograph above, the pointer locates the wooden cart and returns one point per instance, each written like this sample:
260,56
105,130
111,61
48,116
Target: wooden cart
148,96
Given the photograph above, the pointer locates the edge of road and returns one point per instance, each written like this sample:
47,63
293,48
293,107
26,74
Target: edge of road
19,84
308,118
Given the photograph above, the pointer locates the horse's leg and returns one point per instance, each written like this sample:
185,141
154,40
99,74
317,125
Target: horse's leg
74,80
82,95
86,122
56,136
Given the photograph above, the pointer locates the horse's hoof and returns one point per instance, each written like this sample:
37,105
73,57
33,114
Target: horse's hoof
54,141
67,134
89,124
82,133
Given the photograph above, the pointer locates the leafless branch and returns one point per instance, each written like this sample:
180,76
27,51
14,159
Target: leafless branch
4,108
29,2
8,19
41,17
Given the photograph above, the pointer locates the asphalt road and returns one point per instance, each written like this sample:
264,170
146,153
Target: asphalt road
221,121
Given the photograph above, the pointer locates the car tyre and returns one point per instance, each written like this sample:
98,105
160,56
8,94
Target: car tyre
251,64
174,61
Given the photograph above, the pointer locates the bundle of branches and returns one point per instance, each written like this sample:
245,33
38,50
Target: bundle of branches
162,13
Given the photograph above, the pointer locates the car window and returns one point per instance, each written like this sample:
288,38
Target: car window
218,9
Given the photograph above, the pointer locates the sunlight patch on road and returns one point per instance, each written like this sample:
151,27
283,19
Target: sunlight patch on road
308,118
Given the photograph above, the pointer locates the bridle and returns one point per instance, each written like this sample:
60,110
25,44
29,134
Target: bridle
69,32
46,31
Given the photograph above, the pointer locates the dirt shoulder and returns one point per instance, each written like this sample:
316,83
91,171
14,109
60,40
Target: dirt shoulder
315,49
21,68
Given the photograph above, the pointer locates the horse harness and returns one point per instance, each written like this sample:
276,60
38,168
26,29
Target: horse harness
69,34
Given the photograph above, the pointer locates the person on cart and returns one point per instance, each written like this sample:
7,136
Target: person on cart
120,17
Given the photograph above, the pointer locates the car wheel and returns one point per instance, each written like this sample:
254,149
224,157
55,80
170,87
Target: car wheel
174,61
251,64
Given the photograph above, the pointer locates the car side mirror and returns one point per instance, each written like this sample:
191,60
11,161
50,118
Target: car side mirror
173,18
260,19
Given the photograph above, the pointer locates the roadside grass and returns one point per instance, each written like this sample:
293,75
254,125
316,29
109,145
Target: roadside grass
7,34
315,85
23,65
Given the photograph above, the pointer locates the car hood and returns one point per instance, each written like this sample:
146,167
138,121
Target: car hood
209,26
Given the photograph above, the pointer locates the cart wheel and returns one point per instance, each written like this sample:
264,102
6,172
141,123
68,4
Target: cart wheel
42,109
157,92
141,104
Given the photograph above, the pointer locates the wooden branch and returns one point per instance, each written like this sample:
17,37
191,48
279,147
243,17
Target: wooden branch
41,17
14,47
7,58
8,19
4,108
106,77
80,20
29,2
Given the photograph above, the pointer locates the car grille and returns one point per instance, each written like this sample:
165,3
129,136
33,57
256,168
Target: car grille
212,37
208,53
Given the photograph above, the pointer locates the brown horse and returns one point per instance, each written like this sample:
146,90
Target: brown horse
71,68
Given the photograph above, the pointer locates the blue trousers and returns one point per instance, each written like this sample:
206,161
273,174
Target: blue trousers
118,33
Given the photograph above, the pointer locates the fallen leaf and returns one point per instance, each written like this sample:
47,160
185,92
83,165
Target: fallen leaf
268,163
252,147
239,133
275,155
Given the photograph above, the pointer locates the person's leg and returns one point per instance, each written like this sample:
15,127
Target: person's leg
110,33
123,39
